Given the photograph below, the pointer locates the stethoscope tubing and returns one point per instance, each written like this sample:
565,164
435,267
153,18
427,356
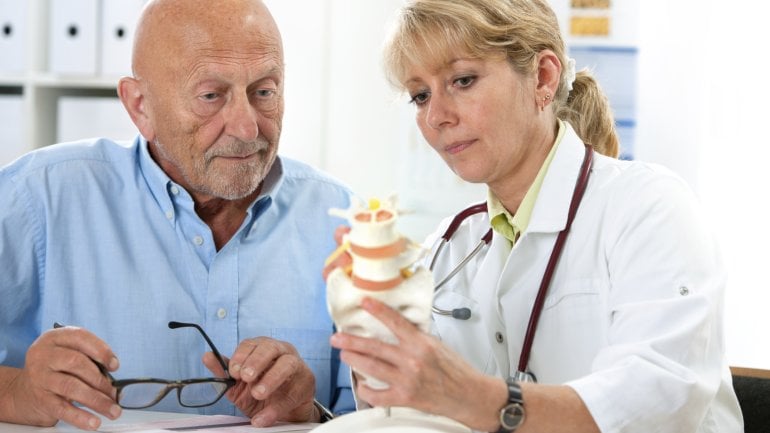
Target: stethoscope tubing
464,313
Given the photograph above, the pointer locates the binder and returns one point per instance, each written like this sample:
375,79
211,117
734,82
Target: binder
11,128
13,36
73,37
119,20
82,117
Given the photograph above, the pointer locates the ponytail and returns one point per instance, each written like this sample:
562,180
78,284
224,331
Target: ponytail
588,110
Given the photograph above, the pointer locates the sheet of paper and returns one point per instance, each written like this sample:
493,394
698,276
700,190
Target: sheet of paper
214,423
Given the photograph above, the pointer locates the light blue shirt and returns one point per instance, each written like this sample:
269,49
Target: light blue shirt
95,234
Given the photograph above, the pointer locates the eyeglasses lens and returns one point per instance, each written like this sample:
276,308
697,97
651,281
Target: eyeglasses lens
141,395
201,394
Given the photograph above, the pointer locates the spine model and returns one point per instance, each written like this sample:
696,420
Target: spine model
384,268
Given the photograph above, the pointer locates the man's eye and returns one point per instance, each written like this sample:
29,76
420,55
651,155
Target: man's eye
265,93
209,96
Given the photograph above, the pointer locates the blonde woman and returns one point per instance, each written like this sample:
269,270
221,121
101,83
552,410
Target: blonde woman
600,281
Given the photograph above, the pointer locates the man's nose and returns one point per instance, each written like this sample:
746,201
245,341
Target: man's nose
242,119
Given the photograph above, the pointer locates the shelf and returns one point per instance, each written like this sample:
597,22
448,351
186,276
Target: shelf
31,98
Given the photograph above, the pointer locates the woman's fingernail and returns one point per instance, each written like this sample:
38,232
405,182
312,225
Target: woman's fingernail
235,368
114,364
115,411
257,421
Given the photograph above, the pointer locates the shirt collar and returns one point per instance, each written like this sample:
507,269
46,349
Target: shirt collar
166,192
511,226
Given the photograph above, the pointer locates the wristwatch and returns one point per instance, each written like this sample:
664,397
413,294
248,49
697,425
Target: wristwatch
512,414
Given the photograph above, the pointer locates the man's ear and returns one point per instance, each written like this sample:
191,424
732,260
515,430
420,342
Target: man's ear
548,75
132,96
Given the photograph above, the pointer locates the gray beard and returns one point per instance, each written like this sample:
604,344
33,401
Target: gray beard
236,183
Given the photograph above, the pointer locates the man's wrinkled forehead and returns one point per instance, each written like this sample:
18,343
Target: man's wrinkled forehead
239,29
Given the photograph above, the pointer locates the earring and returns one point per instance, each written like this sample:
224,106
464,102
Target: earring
545,100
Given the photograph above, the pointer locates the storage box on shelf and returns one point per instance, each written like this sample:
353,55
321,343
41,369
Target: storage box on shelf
54,49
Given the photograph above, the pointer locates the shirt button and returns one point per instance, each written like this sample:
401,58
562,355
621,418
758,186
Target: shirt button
174,190
198,240
170,214
221,313
499,337
684,291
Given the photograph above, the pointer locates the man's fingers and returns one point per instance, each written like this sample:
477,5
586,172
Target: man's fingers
84,369
292,401
253,357
242,352
75,416
212,363
285,369
81,340
70,386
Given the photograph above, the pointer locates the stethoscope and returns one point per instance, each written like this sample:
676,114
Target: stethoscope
464,313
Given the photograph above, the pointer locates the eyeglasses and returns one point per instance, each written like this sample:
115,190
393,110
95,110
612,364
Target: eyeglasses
142,393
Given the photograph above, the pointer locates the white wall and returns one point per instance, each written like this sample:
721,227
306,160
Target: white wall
701,111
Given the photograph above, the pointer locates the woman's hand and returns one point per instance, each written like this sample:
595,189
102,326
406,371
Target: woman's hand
422,373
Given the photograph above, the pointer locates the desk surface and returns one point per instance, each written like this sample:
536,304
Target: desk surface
157,422
377,419
129,417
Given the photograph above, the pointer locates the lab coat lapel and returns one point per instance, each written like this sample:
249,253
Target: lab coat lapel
523,269
486,282
552,204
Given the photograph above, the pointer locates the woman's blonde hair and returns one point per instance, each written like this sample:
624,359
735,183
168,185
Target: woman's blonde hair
433,31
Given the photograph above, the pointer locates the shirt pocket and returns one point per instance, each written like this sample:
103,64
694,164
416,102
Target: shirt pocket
312,344
574,311
574,293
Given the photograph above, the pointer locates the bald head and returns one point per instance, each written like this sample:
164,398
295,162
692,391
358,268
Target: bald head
207,93
174,30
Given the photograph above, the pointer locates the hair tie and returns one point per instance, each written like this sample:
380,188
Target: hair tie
569,74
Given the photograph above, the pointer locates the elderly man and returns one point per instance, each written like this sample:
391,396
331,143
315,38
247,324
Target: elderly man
196,221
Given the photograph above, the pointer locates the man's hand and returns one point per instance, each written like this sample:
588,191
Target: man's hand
60,370
274,383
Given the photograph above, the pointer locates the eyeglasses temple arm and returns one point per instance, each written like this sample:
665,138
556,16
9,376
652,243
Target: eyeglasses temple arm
174,325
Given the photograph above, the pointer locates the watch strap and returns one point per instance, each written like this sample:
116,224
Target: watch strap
514,408
514,391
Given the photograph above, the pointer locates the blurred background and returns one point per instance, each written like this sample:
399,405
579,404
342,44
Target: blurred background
684,79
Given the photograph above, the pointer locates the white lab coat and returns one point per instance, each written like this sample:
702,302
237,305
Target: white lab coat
633,317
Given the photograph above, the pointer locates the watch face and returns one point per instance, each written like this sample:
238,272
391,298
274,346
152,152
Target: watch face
512,416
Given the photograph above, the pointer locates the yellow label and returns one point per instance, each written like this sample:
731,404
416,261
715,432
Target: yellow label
590,4
589,26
